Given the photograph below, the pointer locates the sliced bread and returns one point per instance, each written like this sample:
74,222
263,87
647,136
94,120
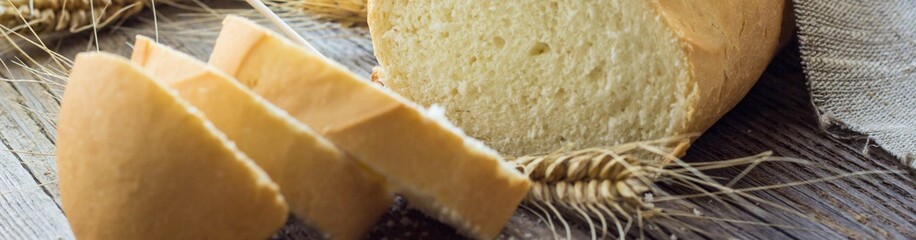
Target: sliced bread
434,165
323,185
137,162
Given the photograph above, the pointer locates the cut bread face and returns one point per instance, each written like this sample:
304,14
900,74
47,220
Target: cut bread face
137,162
323,185
434,165
531,77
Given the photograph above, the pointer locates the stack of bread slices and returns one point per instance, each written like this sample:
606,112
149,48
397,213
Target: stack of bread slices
164,146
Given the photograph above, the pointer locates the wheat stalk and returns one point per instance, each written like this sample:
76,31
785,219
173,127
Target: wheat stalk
615,187
347,12
45,17
596,183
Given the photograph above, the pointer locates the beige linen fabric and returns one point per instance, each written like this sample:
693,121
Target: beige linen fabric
860,61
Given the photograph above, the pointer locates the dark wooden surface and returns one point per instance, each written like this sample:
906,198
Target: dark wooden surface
777,115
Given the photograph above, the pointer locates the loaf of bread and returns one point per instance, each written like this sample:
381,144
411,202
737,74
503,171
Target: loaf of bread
532,76
324,187
137,162
434,165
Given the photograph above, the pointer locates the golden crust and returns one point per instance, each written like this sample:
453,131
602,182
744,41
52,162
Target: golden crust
728,44
136,162
323,186
472,191
244,37
433,166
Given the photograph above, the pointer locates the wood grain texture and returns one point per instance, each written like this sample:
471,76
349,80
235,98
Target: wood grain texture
776,115
29,200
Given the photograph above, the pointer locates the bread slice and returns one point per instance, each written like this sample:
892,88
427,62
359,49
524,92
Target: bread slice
533,76
137,162
434,165
323,185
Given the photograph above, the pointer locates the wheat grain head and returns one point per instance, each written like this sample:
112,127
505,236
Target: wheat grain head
604,185
616,188
48,16
348,12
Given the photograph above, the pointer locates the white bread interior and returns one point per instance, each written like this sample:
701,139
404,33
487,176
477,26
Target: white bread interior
137,162
324,186
435,166
532,76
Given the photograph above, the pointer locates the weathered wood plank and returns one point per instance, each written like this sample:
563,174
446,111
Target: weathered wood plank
24,134
28,193
777,115
26,211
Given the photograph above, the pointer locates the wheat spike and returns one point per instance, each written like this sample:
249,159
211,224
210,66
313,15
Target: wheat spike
594,185
69,16
615,187
347,12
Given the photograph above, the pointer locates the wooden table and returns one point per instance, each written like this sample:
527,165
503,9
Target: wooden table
777,115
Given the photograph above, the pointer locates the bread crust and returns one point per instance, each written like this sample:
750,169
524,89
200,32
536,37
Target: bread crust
136,162
437,168
728,44
325,187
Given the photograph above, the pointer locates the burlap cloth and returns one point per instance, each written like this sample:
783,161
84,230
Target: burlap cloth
860,60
